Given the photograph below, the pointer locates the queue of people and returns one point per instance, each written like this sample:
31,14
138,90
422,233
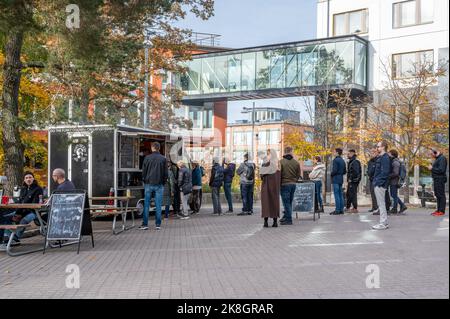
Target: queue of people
180,186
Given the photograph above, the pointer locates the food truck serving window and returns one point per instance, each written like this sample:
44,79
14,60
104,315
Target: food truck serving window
129,152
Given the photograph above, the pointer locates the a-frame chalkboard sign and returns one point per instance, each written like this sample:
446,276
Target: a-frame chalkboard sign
69,219
304,198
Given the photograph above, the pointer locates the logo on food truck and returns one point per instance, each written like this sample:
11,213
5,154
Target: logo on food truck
79,153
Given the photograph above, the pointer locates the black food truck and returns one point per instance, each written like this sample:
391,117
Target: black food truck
105,158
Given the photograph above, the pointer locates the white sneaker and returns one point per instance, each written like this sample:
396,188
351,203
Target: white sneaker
3,247
158,228
380,227
184,217
143,228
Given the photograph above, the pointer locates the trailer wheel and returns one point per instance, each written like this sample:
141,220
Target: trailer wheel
140,207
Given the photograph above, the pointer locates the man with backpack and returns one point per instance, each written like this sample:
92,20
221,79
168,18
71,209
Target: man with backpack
396,181
215,182
353,179
439,174
229,171
246,172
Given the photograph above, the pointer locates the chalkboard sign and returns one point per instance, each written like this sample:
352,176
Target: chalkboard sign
66,216
304,198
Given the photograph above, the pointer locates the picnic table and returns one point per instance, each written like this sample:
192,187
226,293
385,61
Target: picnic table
110,210
14,228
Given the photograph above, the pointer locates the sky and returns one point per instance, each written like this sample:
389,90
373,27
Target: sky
246,23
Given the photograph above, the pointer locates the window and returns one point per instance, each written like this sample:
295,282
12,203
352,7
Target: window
269,137
242,138
413,12
405,64
353,22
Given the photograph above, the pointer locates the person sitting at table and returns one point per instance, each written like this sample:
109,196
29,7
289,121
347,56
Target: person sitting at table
29,194
59,177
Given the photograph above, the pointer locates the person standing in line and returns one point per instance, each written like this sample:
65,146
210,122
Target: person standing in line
229,171
185,185
168,191
197,174
216,182
394,183
370,173
270,189
354,175
317,175
176,200
381,181
290,174
337,179
439,175
246,172
154,174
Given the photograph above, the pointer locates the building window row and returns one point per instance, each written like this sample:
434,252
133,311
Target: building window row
404,14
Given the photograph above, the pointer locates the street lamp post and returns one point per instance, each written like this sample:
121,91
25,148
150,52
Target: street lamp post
146,85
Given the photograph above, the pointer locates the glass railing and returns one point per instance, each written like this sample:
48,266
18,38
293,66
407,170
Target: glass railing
307,64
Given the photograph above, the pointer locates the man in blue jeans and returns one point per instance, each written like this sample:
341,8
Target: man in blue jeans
337,180
154,175
228,172
290,174
246,172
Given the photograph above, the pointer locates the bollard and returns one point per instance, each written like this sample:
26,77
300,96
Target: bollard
423,201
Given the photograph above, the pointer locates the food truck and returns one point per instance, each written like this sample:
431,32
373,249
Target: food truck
105,158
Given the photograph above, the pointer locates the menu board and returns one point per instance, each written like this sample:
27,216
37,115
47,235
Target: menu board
304,198
128,152
66,216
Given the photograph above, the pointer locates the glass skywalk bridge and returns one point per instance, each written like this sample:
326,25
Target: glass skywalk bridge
281,70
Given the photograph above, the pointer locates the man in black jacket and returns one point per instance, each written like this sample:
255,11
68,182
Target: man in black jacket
371,173
353,179
439,174
154,175
30,193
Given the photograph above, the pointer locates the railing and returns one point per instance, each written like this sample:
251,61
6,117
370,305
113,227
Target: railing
205,39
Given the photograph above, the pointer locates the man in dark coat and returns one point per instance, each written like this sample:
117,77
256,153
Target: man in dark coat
337,179
216,182
353,179
439,174
229,171
381,182
154,175
30,193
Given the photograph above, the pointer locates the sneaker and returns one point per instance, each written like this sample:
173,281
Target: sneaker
229,212
143,227
372,210
438,214
380,227
403,210
337,213
2,247
158,228
243,214
184,217
376,213
285,223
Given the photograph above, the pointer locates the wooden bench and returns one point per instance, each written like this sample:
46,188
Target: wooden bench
14,229
105,211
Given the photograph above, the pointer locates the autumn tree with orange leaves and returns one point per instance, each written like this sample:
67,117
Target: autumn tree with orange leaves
98,65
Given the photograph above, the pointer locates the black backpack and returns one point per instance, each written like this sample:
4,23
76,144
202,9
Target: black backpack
250,172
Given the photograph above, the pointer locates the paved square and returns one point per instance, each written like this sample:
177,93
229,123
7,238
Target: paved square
234,257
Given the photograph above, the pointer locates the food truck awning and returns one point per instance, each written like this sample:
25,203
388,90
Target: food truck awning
105,127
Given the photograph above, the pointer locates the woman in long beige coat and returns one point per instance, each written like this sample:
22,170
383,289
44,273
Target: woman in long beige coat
270,190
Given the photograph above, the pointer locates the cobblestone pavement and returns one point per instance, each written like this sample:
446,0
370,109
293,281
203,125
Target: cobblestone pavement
234,257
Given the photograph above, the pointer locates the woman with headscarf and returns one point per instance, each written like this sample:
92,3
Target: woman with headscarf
270,190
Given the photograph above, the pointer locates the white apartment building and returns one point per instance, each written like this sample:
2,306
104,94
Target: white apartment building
399,32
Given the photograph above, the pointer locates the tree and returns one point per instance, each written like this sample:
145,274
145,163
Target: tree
99,66
409,114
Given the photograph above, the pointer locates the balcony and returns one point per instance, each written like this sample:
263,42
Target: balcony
282,70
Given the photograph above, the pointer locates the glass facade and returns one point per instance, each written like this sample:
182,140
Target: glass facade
304,65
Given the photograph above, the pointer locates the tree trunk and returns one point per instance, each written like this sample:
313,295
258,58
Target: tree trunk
12,143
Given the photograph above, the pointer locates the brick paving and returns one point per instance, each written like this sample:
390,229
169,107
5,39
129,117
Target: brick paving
234,257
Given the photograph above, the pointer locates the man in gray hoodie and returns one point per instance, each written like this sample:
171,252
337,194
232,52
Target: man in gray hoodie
246,172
